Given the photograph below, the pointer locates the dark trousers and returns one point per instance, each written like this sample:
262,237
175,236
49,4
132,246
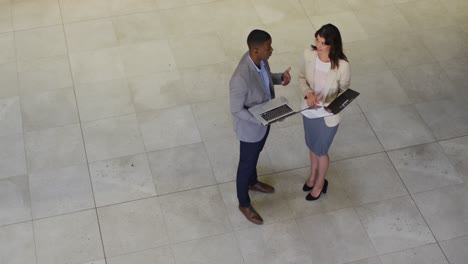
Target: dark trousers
247,168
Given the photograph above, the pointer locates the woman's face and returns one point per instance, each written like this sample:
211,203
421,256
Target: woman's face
321,46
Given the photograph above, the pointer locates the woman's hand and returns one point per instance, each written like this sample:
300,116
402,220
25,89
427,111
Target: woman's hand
312,100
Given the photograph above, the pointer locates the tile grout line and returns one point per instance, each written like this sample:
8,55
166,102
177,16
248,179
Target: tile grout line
82,136
23,136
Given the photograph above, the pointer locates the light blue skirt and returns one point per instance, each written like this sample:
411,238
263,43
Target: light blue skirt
318,135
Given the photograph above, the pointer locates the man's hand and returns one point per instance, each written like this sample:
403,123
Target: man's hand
286,77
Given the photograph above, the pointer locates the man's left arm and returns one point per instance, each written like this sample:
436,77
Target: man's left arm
282,78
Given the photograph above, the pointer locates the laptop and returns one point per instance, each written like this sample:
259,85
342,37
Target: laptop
279,108
274,110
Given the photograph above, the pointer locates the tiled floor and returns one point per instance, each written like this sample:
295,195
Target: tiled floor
116,141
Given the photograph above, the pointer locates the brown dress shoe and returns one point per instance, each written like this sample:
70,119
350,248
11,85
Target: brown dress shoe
251,215
262,187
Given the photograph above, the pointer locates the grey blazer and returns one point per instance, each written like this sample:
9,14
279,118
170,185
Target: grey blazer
246,90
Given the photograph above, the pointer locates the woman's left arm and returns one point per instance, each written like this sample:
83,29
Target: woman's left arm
345,76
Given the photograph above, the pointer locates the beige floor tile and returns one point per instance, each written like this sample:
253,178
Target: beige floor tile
35,13
49,109
452,39
455,249
11,121
181,168
276,11
112,138
286,148
354,138
90,35
60,191
68,238
78,10
382,22
54,148
365,4
200,84
374,260
395,225
148,57
327,234
121,7
138,27
379,91
17,244
445,118
133,226
159,130
399,127
44,74
276,243
365,57
445,211
7,48
168,4
424,254
457,151
40,43
426,14
12,156
162,255
8,80
195,214
404,50
158,91
96,66
369,179
197,19
425,82
103,100
15,202
201,251
214,119
208,50
121,180
456,72
6,20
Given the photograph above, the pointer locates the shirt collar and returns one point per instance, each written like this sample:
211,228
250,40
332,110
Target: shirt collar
262,65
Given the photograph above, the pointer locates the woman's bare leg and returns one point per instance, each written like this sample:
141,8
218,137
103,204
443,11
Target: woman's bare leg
323,163
314,163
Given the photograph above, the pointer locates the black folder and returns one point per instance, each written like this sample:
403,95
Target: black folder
343,100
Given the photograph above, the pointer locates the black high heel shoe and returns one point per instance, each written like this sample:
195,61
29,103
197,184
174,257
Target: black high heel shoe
309,196
306,188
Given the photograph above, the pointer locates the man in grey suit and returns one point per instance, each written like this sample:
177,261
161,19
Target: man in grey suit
252,84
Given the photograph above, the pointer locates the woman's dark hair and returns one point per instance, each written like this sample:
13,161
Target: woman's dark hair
332,37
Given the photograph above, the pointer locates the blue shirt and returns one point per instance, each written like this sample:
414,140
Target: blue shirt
263,75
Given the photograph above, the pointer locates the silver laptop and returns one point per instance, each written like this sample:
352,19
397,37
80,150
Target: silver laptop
275,109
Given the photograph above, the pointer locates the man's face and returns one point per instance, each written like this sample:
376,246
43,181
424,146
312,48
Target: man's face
265,51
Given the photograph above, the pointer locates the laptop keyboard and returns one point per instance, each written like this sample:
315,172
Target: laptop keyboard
276,112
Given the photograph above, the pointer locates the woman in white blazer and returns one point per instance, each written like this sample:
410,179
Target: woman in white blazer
325,74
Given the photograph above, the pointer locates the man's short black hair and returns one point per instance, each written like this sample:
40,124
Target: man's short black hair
257,38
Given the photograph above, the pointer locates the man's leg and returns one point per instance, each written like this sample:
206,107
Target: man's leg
246,170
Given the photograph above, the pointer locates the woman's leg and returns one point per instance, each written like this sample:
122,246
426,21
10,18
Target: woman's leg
323,162
314,163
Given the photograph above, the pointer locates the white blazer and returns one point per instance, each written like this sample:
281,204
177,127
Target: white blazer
337,81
